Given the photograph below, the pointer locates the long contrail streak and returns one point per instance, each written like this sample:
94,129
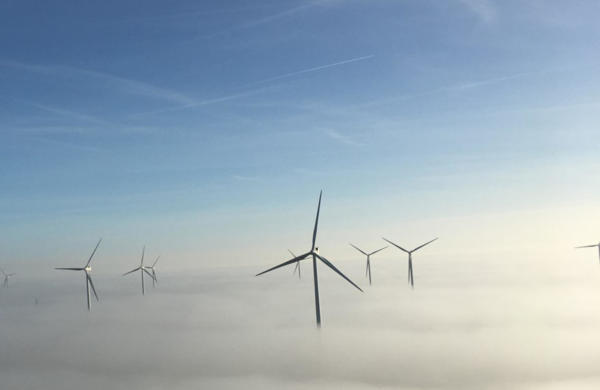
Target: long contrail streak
313,69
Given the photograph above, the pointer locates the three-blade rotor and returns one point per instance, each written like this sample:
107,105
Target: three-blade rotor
88,278
144,270
314,253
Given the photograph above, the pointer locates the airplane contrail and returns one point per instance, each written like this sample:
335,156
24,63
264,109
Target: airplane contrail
313,69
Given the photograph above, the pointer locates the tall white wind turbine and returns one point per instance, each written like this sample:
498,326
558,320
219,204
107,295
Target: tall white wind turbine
297,267
410,269
143,269
152,269
6,277
368,268
87,269
314,253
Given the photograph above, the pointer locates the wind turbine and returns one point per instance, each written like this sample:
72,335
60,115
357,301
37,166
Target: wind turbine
6,277
88,279
297,267
314,253
142,269
153,270
368,269
590,246
410,269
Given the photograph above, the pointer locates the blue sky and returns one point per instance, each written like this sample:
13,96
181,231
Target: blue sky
186,124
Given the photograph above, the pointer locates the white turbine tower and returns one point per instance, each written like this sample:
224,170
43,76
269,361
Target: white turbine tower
591,246
410,269
143,269
88,279
6,277
368,269
314,253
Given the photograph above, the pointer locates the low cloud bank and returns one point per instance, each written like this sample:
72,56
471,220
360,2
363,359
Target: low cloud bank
509,328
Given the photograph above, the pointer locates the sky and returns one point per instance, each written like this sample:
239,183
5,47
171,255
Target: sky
205,131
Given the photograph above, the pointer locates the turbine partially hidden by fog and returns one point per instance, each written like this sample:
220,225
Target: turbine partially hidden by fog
368,268
410,268
314,253
6,277
297,267
87,269
152,269
143,269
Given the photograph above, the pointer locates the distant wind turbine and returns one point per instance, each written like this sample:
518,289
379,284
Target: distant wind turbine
314,253
410,269
297,267
152,269
88,279
591,246
6,277
368,269
143,269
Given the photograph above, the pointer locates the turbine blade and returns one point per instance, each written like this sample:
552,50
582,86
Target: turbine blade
358,249
133,270
587,246
397,246
378,250
298,258
142,261
155,261
93,252
327,263
71,269
316,222
427,243
89,278
291,253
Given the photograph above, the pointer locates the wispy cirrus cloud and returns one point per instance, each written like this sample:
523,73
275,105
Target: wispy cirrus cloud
341,138
66,113
107,80
276,16
313,69
485,10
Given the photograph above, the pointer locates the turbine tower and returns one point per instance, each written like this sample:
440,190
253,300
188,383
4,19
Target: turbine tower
6,277
591,246
314,253
87,269
297,267
368,269
143,269
410,269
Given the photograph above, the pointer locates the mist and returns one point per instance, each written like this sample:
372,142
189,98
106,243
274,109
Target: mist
468,323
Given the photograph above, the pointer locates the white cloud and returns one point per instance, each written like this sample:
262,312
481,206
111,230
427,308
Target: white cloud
483,9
